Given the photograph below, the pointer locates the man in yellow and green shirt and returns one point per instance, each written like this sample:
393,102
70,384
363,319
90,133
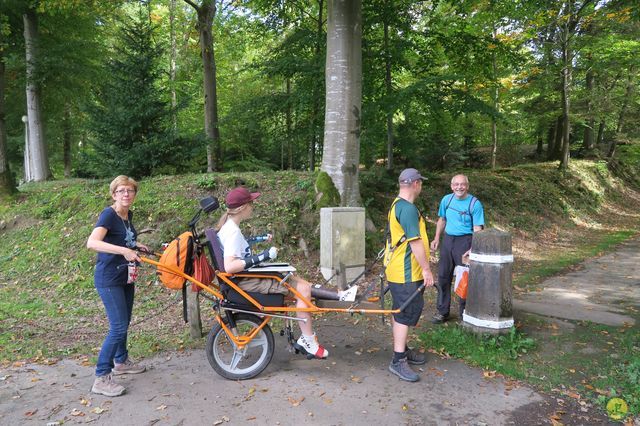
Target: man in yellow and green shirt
407,267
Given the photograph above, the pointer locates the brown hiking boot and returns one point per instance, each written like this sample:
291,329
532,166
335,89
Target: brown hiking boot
128,367
104,385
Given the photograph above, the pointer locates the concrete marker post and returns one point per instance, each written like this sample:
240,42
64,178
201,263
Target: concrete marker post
489,295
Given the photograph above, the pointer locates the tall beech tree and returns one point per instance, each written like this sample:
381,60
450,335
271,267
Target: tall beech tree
38,159
206,13
343,79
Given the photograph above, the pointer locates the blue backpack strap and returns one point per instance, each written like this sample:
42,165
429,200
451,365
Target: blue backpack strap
448,204
471,204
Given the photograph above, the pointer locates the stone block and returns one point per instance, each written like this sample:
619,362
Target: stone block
342,242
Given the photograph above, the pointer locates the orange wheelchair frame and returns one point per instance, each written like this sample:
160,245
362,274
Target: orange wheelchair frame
240,345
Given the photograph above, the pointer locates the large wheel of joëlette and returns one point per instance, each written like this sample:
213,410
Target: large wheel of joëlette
234,363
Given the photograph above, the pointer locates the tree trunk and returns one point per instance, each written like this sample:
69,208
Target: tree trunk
172,66
289,127
587,141
315,120
551,141
389,92
600,138
468,139
540,146
623,110
206,14
343,78
566,106
7,185
496,105
28,167
66,140
557,145
37,146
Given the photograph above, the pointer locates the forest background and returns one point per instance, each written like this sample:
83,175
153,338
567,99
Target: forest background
444,84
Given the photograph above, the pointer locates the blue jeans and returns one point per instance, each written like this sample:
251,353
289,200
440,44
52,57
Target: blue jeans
118,302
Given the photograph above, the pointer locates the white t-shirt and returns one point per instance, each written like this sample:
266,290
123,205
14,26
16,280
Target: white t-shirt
233,242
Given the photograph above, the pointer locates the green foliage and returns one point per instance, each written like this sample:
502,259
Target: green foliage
326,192
453,69
626,164
129,116
207,182
490,352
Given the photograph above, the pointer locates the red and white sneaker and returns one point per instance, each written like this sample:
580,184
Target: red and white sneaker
310,347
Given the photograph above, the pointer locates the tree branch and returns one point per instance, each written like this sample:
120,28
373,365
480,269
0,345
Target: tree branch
192,4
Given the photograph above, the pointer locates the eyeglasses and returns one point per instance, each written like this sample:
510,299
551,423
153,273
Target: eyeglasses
125,191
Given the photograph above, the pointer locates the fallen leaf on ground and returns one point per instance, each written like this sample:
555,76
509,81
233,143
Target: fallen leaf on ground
356,379
161,407
436,371
489,374
98,410
77,413
295,402
31,413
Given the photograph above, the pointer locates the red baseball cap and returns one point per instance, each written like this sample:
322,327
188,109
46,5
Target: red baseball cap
239,197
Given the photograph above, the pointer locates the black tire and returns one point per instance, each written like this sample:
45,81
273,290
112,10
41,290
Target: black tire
234,364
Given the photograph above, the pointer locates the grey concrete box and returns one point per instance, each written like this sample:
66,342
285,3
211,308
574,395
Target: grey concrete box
342,241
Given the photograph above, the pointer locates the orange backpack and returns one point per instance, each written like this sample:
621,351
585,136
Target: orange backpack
177,256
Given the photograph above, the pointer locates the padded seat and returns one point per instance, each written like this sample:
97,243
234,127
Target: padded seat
217,259
264,299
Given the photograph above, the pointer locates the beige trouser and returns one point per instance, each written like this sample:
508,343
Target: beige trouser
265,285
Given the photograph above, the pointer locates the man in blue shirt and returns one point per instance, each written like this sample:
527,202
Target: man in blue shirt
459,216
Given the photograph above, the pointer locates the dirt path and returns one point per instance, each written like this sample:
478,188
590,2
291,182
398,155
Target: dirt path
352,387
602,290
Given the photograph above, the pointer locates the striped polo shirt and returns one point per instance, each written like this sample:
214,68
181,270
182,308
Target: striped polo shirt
404,220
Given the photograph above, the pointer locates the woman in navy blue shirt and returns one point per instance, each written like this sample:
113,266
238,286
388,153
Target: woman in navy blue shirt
114,238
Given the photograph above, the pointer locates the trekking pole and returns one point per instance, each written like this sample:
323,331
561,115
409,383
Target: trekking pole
413,296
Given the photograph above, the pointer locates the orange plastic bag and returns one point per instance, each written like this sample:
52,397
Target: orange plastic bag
462,281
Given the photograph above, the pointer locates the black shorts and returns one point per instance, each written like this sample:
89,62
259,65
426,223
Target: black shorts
400,293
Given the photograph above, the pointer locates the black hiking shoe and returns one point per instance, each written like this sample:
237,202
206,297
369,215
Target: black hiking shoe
402,370
438,318
416,358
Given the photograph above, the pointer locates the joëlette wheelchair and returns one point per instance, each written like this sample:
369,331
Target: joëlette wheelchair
240,345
